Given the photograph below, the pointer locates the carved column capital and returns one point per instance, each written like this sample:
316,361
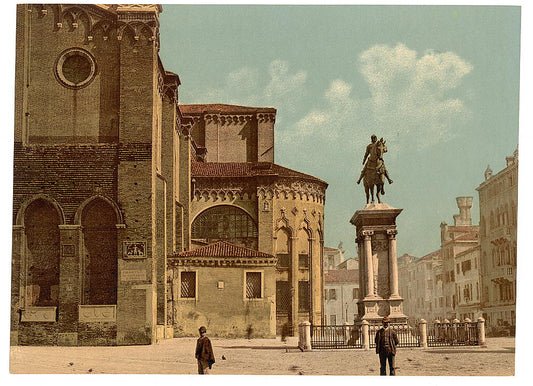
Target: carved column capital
367,234
392,233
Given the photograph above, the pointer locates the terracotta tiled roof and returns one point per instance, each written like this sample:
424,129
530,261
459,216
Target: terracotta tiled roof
245,169
223,108
341,276
222,249
432,255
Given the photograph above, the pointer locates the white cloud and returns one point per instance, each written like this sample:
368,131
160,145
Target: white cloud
248,86
408,99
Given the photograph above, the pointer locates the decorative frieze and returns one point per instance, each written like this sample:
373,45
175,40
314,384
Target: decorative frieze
266,117
221,262
227,119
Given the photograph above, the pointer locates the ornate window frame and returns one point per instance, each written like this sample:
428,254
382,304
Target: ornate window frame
58,68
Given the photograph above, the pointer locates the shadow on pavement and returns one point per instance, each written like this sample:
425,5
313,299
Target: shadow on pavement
509,350
263,347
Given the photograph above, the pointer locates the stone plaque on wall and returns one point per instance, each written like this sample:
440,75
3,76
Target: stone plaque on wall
134,249
38,314
97,313
69,250
133,275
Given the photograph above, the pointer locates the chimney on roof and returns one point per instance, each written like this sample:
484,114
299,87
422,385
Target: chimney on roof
463,218
488,172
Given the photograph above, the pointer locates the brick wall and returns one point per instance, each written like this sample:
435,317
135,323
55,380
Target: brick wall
67,173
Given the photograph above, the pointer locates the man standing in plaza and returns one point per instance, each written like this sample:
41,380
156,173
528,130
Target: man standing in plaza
386,341
204,352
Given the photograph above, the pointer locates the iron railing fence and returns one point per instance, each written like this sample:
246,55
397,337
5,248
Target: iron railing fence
408,334
452,334
336,337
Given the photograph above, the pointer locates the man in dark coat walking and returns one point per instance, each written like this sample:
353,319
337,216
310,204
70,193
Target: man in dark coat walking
204,352
386,341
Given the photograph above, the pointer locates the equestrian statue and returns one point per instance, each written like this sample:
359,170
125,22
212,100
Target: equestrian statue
374,171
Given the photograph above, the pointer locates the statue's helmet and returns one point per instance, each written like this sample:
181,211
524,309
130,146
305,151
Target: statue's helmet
374,137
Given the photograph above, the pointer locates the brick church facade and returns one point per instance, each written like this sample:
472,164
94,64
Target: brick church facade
111,176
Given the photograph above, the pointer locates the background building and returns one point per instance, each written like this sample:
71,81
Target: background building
455,239
498,199
468,284
332,258
341,294
421,286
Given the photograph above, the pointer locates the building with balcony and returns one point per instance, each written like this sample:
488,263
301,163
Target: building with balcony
498,199
456,239
468,284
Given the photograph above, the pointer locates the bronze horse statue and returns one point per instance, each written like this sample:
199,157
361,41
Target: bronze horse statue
374,172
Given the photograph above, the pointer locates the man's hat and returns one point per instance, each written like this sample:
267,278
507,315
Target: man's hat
386,319
202,329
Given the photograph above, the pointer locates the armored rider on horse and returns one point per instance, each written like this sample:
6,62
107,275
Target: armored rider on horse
374,172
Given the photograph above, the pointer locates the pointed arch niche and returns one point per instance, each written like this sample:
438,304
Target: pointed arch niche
41,220
99,221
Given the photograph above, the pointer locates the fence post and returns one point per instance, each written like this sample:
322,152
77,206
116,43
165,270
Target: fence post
481,331
366,339
423,333
304,338
436,330
346,332
455,330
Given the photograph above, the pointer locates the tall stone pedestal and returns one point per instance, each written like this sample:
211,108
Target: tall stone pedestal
378,265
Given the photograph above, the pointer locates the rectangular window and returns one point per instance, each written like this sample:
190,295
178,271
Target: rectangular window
333,320
332,294
253,285
355,293
188,284
283,260
303,260
466,265
283,297
303,296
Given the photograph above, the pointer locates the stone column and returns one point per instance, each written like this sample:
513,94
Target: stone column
369,263
393,264
294,282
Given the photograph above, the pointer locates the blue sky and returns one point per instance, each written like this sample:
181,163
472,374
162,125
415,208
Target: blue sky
439,83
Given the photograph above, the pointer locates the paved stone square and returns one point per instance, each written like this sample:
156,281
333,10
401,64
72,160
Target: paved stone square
262,357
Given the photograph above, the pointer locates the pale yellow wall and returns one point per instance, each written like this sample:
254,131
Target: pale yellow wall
225,312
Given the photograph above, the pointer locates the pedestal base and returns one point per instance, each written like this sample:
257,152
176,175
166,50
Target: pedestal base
374,309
